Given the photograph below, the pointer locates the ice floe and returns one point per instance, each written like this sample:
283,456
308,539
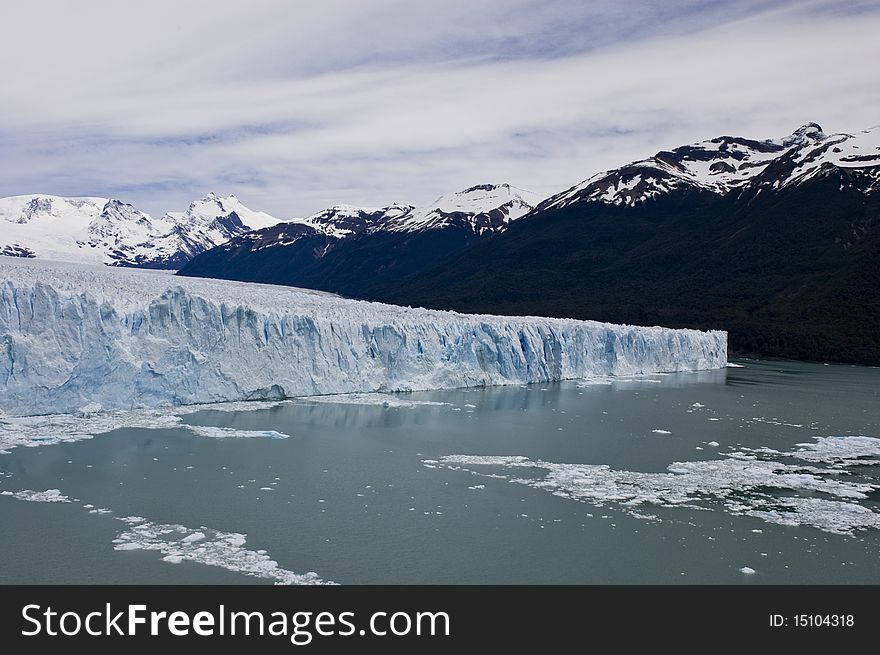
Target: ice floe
226,550
751,482
90,421
382,399
47,496
841,451
178,543
828,515
619,380
233,433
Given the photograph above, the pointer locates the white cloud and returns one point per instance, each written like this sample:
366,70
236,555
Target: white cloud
374,102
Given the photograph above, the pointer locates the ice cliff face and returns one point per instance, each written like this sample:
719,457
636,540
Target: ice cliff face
76,336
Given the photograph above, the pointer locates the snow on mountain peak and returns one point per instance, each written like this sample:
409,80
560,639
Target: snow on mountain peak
109,231
343,220
212,207
43,207
481,208
808,132
728,163
49,227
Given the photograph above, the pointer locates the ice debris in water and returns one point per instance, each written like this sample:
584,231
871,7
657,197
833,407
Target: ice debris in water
841,451
741,483
62,428
383,399
227,433
48,496
177,543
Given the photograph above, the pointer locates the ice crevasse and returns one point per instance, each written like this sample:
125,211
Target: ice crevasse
74,336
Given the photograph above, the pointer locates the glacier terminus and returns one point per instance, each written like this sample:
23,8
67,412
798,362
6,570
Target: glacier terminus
77,337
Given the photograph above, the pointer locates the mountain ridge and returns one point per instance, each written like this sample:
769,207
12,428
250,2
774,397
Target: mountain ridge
111,232
343,246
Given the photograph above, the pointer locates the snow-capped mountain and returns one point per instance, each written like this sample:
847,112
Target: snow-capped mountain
212,208
344,247
345,220
108,231
483,209
725,164
329,225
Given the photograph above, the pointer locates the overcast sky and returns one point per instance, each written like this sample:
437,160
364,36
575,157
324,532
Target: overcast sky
295,106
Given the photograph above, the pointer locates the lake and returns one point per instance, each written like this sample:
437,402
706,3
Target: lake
764,474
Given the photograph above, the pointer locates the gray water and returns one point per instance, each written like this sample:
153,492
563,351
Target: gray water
360,494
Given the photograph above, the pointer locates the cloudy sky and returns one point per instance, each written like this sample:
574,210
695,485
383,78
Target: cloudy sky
295,106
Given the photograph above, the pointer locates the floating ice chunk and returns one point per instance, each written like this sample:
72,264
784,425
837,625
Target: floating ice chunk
714,444
64,428
595,381
382,399
748,570
829,515
841,451
47,496
659,431
178,543
89,409
620,380
232,433
773,421
736,484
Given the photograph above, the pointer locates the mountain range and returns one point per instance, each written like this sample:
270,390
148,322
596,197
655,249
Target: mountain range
109,231
363,251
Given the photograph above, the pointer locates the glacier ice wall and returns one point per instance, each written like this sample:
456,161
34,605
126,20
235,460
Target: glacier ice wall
73,336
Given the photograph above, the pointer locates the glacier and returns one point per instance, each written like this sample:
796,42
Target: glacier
76,337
